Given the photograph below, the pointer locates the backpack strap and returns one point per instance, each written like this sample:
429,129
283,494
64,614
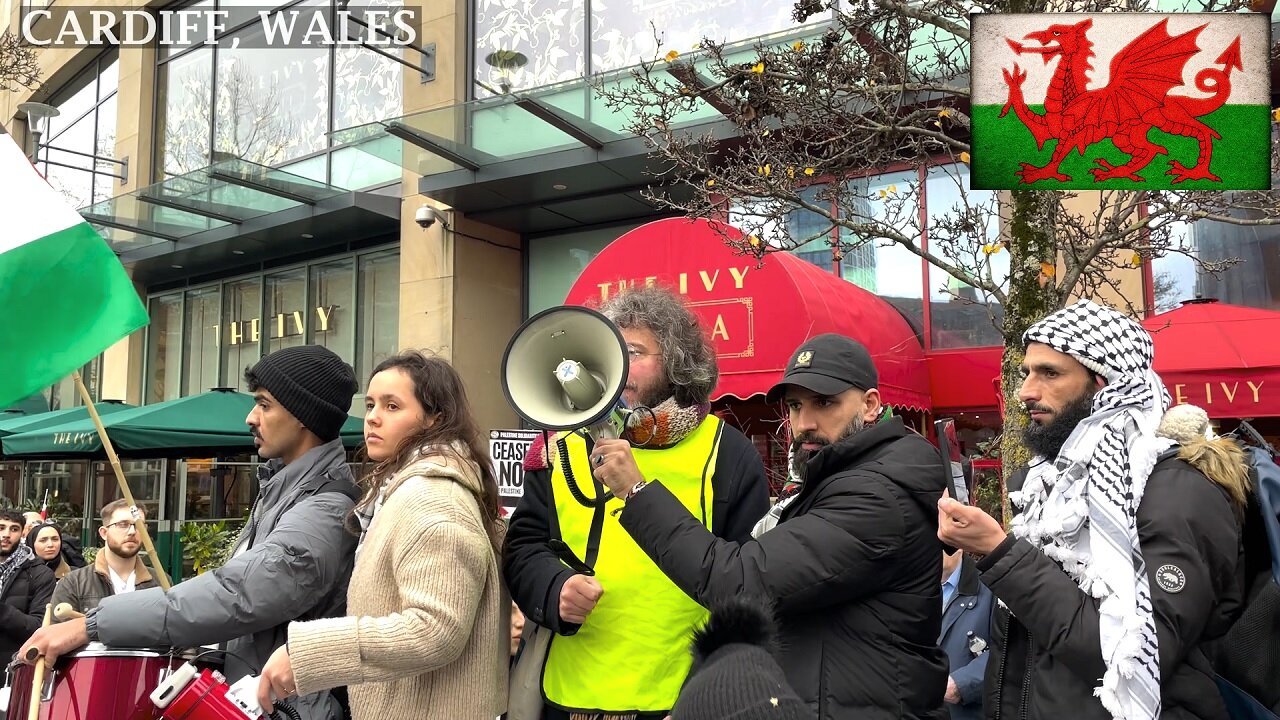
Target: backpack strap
337,485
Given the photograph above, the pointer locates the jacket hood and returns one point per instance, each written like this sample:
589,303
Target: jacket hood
1224,463
889,449
453,462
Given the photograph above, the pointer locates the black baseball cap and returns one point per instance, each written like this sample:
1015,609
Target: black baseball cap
828,364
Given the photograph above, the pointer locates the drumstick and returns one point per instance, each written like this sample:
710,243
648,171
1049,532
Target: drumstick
64,612
37,681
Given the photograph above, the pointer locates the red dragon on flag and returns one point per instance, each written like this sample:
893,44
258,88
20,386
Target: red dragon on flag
1135,100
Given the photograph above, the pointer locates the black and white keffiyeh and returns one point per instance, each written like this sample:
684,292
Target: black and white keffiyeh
1081,509
20,555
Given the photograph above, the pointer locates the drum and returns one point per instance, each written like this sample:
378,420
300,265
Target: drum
96,683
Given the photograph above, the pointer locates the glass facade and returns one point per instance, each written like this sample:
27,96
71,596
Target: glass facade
272,106
562,40
1253,281
958,315
556,262
207,336
378,308
86,123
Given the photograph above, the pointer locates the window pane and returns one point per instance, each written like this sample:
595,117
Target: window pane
1173,275
63,484
548,34
802,226
173,48
200,341
622,33
379,305
286,309
164,351
273,103
74,185
242,316
1253,281
73,103
185,99
368,86
109,77
889,270
218,491
146,482
961,222
10,483
331,322
556,262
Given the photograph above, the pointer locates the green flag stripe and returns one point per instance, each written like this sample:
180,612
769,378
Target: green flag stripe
1240,157
64,298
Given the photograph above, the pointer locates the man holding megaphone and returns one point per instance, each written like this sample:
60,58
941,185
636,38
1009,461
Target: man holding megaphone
621,627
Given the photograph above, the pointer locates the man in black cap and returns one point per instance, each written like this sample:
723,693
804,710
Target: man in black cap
294,556
851,567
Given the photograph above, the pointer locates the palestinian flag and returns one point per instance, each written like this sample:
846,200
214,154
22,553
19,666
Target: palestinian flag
63,293
1075,101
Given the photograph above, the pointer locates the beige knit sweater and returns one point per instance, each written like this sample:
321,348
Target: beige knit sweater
427,630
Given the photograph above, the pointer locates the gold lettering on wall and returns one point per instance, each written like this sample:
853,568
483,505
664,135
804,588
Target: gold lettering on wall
1185,393
708,278
242,331
719,330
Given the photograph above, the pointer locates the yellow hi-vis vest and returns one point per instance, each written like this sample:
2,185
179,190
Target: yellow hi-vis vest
632,654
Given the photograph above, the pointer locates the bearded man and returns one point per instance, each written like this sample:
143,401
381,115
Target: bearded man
1122,559
852,565
622,629
116,569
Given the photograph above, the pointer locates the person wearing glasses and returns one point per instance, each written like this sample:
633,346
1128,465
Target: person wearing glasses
117,569
621,643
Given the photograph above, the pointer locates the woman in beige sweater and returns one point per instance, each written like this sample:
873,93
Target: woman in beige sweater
427,625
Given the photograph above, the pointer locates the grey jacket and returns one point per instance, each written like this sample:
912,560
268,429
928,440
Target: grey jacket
292,562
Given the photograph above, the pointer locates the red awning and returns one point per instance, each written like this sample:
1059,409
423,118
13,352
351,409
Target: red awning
1224,358
758,315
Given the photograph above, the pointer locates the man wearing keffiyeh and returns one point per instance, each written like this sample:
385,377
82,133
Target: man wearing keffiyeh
1121,558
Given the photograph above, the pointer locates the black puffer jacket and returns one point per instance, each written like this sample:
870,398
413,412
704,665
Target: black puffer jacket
22,603
853,568
1046,658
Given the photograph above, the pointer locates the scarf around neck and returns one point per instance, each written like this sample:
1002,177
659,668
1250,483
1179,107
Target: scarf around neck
650,428
1081,507
19,557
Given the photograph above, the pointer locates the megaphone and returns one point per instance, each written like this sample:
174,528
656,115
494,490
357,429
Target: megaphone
565,369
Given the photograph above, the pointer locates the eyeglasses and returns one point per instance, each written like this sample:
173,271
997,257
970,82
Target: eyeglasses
634,353
122,525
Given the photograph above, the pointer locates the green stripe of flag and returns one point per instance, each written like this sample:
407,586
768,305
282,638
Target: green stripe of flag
999,144
64,298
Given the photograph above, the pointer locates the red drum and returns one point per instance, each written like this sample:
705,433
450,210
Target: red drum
96,683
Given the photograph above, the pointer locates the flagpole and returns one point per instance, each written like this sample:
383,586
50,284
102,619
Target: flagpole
124,484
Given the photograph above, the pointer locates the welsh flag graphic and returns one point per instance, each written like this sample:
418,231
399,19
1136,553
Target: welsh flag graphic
63,293
1065,101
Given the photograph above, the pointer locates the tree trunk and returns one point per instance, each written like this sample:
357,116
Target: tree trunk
1031,297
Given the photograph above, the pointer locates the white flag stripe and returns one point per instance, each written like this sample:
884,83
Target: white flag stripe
30,208
1110,33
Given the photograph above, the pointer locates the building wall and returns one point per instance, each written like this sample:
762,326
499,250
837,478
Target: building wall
460,297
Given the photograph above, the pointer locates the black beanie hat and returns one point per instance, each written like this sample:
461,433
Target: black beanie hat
312,383
734,675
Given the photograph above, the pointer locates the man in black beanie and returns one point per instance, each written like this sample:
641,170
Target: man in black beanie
294,556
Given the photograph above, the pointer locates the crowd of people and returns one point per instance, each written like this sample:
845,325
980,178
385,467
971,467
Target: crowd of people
865,592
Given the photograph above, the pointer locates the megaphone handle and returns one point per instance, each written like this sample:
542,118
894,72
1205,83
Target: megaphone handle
604,430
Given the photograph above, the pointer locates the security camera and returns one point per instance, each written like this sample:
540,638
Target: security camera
428,216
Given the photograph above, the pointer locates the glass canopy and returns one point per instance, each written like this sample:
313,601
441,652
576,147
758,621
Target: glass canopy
225,193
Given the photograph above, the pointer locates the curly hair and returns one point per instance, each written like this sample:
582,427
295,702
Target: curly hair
688,357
